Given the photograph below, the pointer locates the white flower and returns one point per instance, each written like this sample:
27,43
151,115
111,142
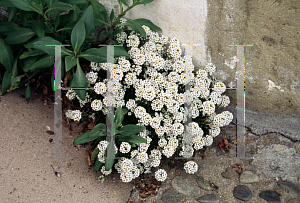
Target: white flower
214,132
208,107
126,176
190,167
208,140
105,172
96,105
74,114
142,157
125,147
162,142
100,88
177,128
160,175
210,68
126,165
95,66
91,77
225,101
71,94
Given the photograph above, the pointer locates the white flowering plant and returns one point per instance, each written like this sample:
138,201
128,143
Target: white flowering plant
150,87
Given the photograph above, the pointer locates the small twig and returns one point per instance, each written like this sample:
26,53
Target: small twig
70,104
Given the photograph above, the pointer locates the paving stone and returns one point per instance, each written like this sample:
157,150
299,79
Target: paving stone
205,185
186,185
242,192
270,196
210,198
190,200
170,195
294,200
229,173
290,187
248,177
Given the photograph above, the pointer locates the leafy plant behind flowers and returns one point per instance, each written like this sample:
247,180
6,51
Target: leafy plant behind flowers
33,24
150,83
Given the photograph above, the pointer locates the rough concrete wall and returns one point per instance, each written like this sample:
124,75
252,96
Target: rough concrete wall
272,64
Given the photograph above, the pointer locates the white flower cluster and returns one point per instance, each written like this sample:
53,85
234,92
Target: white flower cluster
154,76
74,114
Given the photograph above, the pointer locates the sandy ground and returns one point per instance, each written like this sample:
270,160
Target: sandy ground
25,171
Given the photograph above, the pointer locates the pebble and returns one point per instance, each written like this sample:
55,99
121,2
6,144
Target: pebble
210,198
294,200
171,195
270,196
248,177
205,185
229,173
242,192
186,185
290,187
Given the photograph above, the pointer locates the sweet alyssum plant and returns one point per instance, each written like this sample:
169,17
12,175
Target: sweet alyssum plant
150,84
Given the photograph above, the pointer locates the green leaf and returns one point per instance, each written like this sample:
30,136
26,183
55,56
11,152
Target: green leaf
6,82
98,165
21,36
98,131
31,53
50,2
44,62
17,79
144,2
88,18
58,7
56,21
5,3
131,129
74,1
118,117
6,56
117,31
12,12
125,2
137,27
78,35
148,23
28,23
110,156
29,62
83,138
100,13
80,81
112,15
22,4
131,139
8,27
105,33
27,93
38,28
95,154
99,55
70,62
40,44
37,8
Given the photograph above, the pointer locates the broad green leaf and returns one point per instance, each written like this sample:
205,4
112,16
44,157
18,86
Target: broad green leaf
70,62
112,15
125,2
100,13
131,129
137,27
74,1
78,35
12,12
38,8
50,2
58,7
98,165
22,4
83,138
27,93
44,62
95,154
105,33
29,62
6,56
56,21
28,23
89,38
117,31
118,117
148,23
31,53
17,79
96,131
144,2
69,19
6,82
99,55
88,18
131,139
80,81
40,44
21,36
110,156
8,27
38,28
5,3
